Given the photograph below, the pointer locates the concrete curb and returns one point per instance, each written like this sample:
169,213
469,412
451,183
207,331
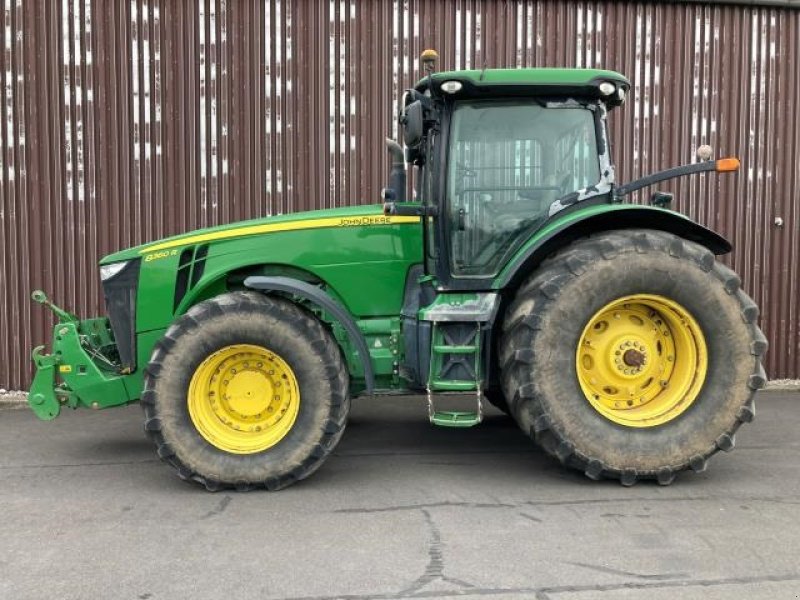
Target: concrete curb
783,385
13,399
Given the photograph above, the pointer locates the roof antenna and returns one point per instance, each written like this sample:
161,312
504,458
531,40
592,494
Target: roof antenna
483,72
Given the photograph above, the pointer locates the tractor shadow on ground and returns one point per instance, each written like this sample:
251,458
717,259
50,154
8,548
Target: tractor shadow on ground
387,438
396,431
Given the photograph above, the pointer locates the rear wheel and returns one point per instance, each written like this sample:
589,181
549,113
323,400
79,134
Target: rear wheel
632,354
245,391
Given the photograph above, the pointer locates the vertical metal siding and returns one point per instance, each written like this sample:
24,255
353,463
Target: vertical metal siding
125,121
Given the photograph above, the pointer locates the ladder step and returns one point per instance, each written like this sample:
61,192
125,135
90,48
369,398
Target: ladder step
443,349
455,418
453,385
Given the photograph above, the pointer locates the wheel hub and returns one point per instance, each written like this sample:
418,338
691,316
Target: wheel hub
634,358
247,394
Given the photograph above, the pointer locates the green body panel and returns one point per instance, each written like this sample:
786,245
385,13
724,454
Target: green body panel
530,76
350,250
564,222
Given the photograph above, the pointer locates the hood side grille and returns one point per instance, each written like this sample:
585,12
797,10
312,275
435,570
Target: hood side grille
190,269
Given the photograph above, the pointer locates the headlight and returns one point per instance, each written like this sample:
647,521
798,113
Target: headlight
108,271
451,87
607,88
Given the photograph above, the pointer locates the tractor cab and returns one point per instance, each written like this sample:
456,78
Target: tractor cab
498,154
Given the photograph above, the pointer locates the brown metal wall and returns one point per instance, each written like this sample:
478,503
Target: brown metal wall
125,121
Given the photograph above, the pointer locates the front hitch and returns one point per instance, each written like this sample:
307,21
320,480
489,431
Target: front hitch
77,373
42,396
64,316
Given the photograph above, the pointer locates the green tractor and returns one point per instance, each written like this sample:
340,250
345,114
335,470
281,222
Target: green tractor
517,275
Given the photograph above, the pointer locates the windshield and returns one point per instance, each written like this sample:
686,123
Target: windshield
508,162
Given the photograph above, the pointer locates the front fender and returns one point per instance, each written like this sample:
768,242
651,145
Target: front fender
317,296
605,217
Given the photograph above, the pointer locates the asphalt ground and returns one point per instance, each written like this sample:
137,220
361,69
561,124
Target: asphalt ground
401,510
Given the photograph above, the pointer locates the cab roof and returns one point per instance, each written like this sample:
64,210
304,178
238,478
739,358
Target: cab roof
527,82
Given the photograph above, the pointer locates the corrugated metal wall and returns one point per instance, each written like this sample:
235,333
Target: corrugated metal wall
125,121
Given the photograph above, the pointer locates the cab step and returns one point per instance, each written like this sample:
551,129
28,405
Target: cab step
455,367
453,385
446,349
456,418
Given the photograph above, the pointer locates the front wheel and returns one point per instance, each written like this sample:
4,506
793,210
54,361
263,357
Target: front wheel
632,354
246,391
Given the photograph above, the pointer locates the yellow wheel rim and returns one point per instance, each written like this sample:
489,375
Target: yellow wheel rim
243,399
642,360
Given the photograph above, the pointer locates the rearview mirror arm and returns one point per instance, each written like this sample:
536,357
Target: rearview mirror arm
722,165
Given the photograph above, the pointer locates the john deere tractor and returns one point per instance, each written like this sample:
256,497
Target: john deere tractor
517,274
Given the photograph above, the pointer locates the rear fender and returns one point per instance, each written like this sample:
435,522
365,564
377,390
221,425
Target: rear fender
604,218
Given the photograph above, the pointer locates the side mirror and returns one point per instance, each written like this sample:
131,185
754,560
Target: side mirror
413,125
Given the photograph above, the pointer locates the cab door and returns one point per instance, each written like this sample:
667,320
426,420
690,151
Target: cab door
508,162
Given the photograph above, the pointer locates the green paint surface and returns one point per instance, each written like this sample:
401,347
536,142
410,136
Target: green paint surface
362,266
560,223
530,76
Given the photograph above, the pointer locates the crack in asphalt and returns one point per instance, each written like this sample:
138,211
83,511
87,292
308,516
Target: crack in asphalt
546,592
611,571
788,500
219,509
435,569
530,517
424,506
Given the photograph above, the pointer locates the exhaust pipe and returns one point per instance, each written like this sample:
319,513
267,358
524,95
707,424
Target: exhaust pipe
397,175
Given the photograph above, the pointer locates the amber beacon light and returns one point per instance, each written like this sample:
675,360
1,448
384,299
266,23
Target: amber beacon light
725,165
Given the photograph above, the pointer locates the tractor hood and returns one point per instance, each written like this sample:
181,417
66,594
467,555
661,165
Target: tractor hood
360,254
317,219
